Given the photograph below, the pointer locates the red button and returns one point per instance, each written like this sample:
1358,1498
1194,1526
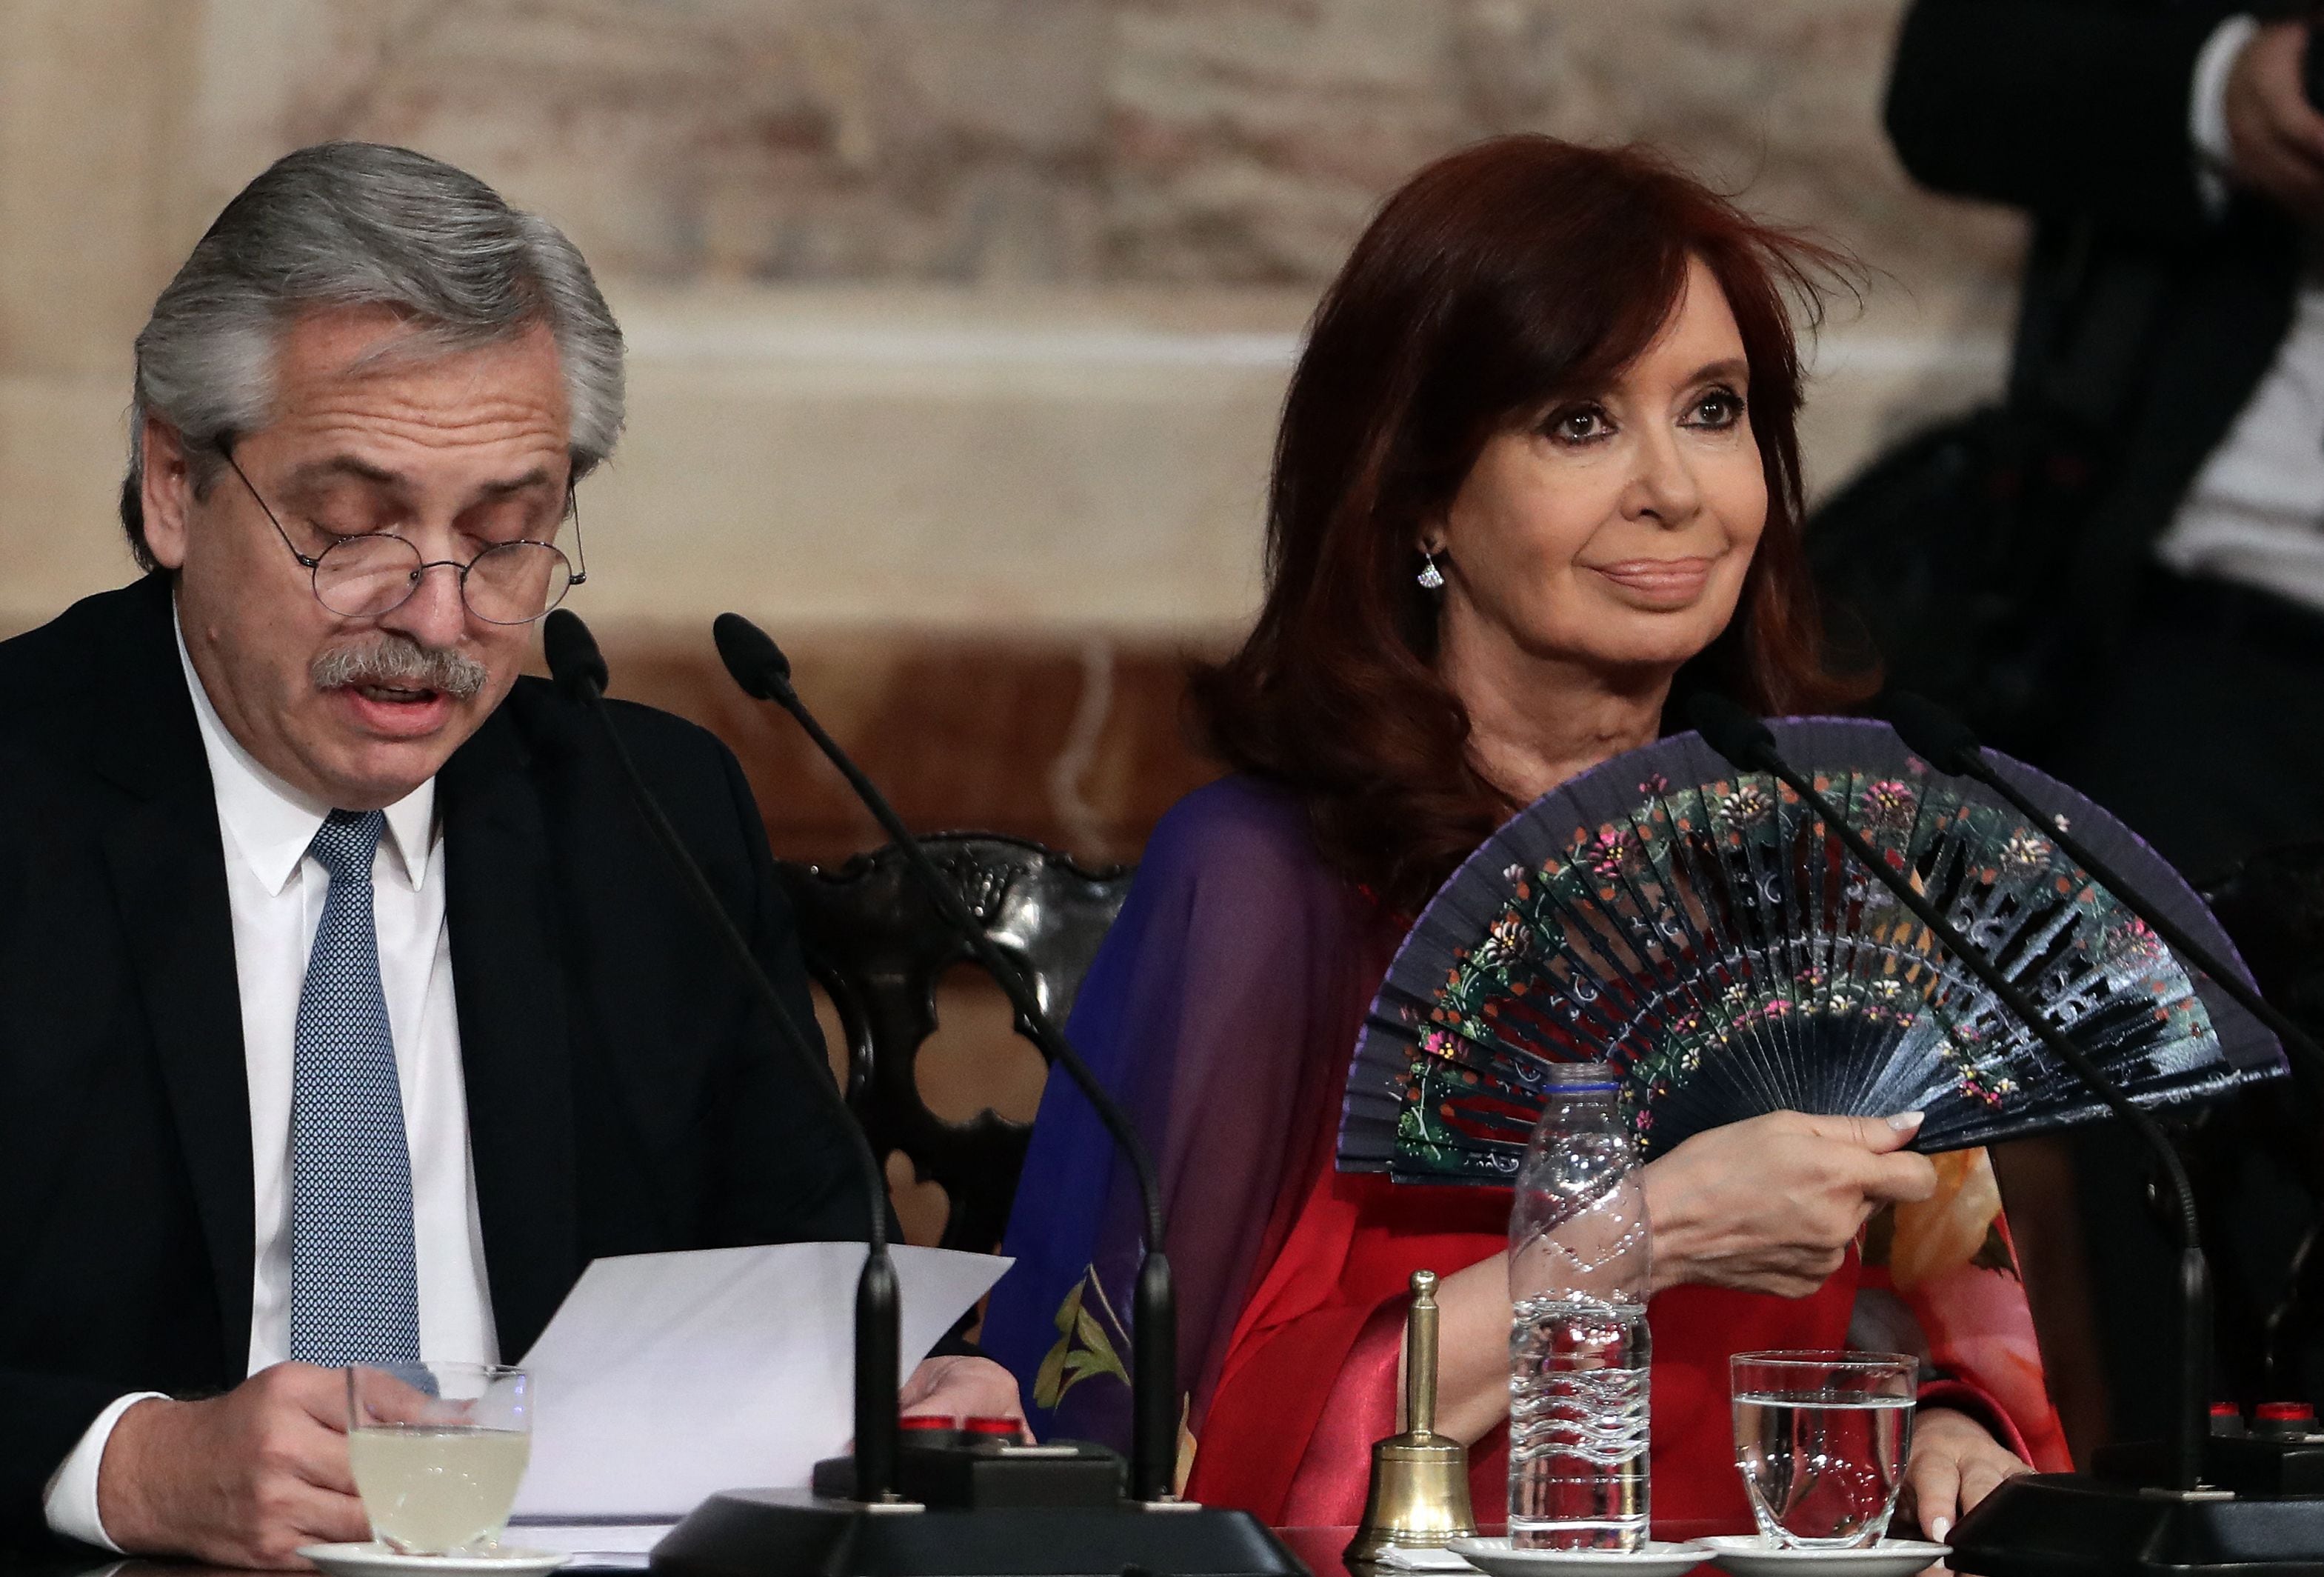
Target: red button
928,1421
2228,1410
2285,1413
1009,1426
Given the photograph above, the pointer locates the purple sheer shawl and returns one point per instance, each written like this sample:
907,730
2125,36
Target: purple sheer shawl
1221,1010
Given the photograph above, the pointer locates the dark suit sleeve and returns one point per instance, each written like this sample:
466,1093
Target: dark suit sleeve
47,1416
46,1412
2065,107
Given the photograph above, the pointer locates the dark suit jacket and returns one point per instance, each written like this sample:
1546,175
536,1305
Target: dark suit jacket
624,1093
2077,111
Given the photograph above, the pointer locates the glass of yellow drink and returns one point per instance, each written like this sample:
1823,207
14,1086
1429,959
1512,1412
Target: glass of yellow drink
438,1451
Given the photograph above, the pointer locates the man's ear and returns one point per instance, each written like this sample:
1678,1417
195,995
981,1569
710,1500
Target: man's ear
167,492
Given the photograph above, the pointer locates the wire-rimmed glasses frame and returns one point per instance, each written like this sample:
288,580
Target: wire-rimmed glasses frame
374,573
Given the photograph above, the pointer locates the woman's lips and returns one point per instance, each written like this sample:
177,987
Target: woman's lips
1659,582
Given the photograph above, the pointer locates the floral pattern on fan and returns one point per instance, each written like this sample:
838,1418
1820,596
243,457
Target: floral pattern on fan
1702,930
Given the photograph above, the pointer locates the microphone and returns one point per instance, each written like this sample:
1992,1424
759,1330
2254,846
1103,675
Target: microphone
991,1509
578,668
1947,744
1745,739
761,669
574,664
756,662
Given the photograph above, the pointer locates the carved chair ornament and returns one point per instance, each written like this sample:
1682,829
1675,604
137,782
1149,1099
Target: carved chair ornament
879,947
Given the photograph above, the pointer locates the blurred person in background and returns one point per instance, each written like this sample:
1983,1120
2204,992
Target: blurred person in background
2172,313
2175,171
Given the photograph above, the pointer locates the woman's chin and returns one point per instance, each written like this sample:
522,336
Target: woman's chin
1641,648
1625,635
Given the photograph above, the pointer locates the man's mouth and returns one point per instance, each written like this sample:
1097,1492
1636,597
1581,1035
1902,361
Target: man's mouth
393,695
393,712
394,671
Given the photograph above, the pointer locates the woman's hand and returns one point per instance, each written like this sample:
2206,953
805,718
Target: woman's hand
1954,1464
1771,1204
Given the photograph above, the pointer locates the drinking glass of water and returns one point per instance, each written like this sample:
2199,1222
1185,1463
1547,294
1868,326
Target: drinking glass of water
1821,1439
438,1451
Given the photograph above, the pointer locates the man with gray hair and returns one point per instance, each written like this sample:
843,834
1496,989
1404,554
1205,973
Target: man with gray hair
344,1016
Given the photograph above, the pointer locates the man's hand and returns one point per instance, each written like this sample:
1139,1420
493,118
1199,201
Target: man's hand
1772,1204
242,1479
2274,135
1954,1464
963,1387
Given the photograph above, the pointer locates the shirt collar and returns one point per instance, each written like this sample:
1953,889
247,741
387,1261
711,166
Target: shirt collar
270,822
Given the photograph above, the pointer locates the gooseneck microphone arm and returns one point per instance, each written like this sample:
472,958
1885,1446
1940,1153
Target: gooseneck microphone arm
1746,741
1946,743
579,670
761,669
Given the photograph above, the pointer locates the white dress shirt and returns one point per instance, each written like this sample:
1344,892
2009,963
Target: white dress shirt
276,894
2255,513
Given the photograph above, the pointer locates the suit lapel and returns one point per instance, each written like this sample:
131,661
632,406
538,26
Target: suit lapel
515,1057
167,862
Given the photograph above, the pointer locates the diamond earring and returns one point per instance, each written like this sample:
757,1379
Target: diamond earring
1430,576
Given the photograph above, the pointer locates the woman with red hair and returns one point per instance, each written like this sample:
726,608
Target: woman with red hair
1537,467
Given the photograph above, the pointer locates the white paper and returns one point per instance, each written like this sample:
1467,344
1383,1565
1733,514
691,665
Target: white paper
623,1545
664,1377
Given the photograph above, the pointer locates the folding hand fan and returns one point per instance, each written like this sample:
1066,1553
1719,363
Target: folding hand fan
1701,929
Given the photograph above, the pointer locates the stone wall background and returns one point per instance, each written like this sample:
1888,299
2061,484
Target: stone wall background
971,313
1200,142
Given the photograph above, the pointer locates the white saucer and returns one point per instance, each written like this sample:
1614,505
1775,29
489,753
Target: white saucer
1753,1556
1494,1555
376,1560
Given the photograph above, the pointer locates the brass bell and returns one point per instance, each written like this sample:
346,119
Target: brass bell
1420,1479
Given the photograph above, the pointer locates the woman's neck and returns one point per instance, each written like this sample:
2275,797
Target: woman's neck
1534,722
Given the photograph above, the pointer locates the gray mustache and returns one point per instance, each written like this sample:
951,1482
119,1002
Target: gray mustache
401,664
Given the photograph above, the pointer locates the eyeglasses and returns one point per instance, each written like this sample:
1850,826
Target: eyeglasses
375,573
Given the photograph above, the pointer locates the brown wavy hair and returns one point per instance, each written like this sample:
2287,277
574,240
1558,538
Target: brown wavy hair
1505,276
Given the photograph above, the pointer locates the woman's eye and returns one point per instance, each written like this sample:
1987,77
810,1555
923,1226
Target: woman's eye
1721,408
1579,425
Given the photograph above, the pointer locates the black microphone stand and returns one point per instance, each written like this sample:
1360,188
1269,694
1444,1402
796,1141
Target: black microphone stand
1744,740
759,667
2064,1525
579,670
986,1509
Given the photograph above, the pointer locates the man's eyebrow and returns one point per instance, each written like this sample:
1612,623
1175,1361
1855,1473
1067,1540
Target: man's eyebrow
537,477
345,465
361,470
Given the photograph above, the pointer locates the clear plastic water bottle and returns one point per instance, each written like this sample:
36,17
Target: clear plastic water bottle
1579,1260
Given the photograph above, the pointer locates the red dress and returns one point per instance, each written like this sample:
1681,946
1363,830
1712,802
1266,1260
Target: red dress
1310,1379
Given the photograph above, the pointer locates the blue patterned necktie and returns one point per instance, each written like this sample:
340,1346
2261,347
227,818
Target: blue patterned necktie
355,1296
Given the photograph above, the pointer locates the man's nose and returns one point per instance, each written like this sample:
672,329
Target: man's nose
434,615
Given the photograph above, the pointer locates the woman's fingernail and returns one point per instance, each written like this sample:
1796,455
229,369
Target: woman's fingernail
1905,1121
1943,1524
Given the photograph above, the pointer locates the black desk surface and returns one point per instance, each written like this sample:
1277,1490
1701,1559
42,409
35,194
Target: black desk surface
1318,1548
